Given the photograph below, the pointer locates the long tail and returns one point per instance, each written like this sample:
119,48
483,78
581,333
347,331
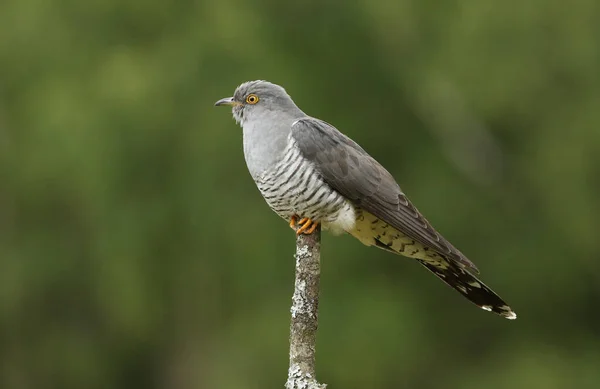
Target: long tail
470,286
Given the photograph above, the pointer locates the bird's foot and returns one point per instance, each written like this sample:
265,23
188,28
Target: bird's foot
293,221
303,226
307,226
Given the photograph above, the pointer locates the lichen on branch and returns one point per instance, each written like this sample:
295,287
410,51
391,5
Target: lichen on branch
304,312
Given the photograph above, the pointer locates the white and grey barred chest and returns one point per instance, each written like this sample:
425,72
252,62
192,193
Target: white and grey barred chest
294,187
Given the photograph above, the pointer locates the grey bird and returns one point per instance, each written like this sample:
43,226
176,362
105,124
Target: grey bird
310,173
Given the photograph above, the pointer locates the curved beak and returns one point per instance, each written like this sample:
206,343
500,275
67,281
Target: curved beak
227,101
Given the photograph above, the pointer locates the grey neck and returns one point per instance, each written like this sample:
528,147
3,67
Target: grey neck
266,139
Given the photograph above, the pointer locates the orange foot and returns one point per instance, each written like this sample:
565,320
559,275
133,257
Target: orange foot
307,226
293,221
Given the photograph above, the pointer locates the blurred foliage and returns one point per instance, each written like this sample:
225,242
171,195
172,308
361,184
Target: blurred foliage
135,251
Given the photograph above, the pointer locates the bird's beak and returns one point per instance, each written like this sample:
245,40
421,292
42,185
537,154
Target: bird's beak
227,101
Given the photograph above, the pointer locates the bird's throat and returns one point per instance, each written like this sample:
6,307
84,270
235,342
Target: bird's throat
264,145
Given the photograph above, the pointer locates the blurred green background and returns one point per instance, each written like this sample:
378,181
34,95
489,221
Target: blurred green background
136,252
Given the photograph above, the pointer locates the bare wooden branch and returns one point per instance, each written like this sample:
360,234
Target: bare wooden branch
305,304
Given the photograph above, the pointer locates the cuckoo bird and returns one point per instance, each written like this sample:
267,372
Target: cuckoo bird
310,173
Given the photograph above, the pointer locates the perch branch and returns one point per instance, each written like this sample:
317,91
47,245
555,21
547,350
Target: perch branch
305,304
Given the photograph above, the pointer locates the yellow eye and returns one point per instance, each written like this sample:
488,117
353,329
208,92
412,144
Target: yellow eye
252,99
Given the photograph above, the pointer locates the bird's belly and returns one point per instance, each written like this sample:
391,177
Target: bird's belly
300,191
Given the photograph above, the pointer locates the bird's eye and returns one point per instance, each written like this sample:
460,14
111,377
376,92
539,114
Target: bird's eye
252,99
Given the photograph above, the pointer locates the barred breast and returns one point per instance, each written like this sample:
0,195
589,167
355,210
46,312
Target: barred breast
294,187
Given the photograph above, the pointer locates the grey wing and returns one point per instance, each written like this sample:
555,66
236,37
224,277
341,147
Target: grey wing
351,171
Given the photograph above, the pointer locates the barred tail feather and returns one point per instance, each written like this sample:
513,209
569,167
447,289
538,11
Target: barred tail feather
470,287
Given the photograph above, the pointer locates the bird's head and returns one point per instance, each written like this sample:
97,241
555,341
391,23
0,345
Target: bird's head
254,100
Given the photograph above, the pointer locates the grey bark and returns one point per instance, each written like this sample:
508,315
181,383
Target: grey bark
305,304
